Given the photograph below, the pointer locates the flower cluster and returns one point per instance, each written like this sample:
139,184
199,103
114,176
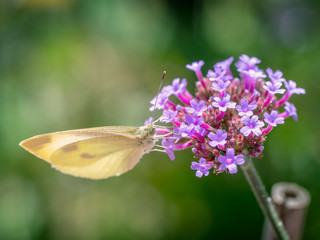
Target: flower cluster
228,115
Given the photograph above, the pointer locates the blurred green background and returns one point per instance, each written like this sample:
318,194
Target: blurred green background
67,64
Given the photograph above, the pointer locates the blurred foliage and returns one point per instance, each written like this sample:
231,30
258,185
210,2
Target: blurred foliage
67,64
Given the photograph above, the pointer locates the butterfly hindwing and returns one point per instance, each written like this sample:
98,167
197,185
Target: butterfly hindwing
98,158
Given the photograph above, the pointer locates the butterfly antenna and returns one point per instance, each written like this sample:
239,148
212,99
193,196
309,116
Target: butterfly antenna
163,76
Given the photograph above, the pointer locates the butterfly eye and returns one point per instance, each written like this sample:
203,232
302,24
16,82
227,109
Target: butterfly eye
151,130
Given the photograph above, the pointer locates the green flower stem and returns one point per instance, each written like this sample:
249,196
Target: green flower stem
263,198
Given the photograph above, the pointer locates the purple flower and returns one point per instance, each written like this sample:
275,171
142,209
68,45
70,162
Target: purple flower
274,87
291,110
169,147
275,76
254,94
202,167
225,64
217,74
273,118
194,123
178,87
194,119
291,89
202,131
291,86
204,122
148,121
159,101
195,66
218,138
223,104
220,86
254,73
167,90
162,97
247,63
245,109
177,133
199,108
221,71
252,125
168,116
184,130
230,161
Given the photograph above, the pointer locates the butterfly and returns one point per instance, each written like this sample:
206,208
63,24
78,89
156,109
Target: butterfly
94,153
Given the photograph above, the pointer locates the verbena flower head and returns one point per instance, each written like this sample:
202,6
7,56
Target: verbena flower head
229,116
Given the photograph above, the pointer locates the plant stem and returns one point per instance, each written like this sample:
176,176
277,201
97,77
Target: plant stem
263,198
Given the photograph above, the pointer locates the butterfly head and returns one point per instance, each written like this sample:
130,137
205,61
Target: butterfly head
146,132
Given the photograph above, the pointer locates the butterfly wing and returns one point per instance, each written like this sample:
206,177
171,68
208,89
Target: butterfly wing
91,153
43,146
99,158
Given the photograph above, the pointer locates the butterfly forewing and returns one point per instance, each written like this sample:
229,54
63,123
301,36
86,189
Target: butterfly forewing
43,146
